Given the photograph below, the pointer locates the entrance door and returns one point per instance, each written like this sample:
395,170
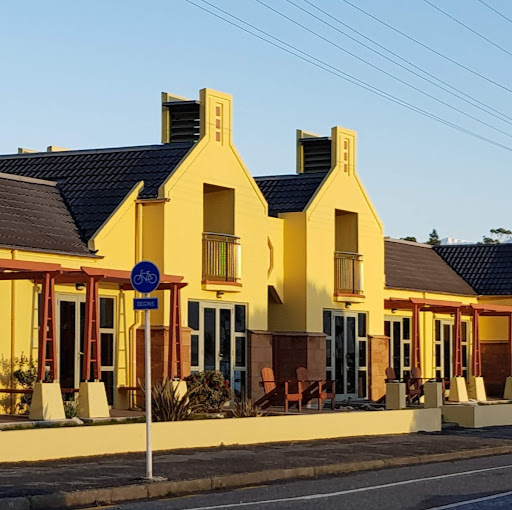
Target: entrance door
346,352
70,330
398,329
443,348
219,340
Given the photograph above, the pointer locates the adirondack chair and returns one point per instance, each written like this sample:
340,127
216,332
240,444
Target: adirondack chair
316,389
277,392
413,383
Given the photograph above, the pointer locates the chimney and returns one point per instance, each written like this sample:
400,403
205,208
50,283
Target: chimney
56,148
313,153
321,153
180,119
23,150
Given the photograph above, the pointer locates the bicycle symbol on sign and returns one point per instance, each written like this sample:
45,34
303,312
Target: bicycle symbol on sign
145,276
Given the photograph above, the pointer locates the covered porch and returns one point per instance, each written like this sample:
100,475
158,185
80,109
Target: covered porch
456,310
46,276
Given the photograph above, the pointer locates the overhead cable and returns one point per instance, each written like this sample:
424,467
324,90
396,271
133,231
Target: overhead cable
432,50
302,55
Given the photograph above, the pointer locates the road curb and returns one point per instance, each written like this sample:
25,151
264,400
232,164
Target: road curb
133,492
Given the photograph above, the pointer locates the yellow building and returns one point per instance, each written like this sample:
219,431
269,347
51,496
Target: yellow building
281,271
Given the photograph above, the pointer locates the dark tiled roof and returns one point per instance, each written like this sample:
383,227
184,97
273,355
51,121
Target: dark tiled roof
289,193
486,267
417,266
33,215
94,182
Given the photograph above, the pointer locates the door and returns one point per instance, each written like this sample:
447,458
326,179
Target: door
443,348
398,329
218,340
70,331
346,352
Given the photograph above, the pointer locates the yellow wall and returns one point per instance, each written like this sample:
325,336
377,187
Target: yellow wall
216,162
310,243
55,443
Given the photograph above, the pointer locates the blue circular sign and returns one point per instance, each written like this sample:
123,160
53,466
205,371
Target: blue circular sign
145,277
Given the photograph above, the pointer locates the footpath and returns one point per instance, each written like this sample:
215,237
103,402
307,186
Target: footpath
72,483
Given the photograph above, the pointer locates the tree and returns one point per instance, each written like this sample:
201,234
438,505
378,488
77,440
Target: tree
498,236
409,238
433,238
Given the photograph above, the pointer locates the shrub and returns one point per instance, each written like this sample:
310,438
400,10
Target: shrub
245,408
70,408
167,404
25,376
209,391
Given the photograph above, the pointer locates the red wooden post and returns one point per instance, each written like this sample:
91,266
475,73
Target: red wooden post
416,351
175,346
457,350
476,367
92,348
47,330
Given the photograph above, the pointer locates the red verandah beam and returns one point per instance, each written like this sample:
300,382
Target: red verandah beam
92,348
47,330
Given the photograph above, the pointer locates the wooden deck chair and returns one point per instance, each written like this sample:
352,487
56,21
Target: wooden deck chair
413,385
277,392
390,375
316,389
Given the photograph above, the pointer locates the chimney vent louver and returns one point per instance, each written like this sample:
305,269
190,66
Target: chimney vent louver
316,154
184,121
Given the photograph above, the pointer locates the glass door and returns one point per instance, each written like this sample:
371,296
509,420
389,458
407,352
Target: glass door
398,330
443,340
70,331
218,340
346,352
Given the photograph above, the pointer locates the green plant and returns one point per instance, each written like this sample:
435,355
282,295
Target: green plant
209,391
245,408
25,376
70,408
167,404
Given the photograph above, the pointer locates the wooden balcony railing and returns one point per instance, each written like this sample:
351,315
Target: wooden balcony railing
221,258
348,273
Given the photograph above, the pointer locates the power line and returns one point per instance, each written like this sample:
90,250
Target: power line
337,20
438,53
467,27
340,74
499,117
413,87
495,10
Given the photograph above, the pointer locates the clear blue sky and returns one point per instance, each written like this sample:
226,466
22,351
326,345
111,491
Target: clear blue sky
89,74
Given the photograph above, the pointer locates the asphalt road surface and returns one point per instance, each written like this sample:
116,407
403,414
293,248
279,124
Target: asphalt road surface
466,485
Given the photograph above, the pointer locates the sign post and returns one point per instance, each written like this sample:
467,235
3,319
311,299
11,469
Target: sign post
145,278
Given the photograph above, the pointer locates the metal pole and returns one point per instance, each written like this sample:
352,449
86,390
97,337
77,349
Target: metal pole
147,348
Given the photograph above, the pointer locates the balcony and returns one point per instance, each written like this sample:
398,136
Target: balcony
348,274
221,259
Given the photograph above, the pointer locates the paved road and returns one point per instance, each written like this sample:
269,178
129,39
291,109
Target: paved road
466,485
